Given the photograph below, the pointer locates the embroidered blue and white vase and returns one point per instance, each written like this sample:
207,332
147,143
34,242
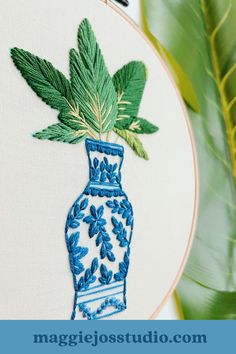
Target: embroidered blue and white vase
98,233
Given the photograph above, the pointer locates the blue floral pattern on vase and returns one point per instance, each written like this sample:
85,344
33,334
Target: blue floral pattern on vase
98,233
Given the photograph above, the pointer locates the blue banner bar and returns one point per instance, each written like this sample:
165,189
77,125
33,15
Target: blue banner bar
117,336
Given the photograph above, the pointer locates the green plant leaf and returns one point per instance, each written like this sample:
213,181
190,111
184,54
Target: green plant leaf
129,83
46,81
200,35
89,104
183,82
141,126
61,132
91,82
133,141
217,304
74,119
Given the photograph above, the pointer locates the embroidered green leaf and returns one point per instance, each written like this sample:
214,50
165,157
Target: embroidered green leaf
92,103
133,141
141,126
91,82
61,132
129,83
74,119
46,81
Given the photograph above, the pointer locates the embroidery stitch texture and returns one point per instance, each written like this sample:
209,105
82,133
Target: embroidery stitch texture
110,235
99,225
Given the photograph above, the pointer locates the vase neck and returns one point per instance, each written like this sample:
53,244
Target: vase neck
105,161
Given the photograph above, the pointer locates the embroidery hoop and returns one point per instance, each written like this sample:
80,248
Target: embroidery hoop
120,12
157,311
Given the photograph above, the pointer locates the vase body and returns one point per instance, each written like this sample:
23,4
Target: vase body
98,233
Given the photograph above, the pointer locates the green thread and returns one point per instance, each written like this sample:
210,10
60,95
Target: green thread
91,103
133,141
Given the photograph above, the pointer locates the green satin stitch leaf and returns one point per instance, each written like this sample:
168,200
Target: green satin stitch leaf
74,119
46,81
142,126
91,82
133,141
61,132
129,83
92,103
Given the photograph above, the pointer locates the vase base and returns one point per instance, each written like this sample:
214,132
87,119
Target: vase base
99,302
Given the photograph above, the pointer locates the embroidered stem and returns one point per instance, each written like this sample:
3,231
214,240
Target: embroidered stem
108,137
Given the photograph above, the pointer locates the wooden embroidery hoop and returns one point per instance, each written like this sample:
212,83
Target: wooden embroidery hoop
157,311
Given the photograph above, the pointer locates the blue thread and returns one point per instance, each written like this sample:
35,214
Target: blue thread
97,227
125,288
89,276
106,275
74,308
76,215
98,286
100,291
109,302
104,147
99,298
120,232
104,182
123,208
123,267
76,253
103,192
102,171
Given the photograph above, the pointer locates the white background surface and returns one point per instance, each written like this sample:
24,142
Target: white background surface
40,180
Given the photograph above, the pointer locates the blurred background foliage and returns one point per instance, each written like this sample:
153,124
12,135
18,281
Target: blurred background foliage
197,40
